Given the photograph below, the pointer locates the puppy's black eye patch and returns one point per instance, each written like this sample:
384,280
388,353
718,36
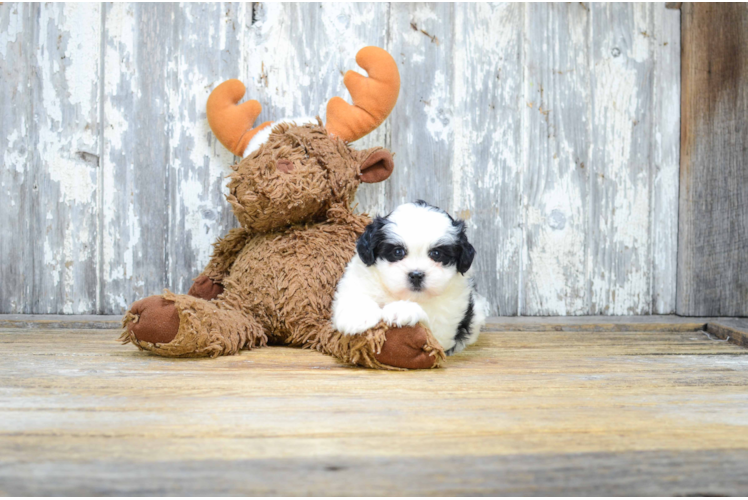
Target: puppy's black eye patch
392,252
445,254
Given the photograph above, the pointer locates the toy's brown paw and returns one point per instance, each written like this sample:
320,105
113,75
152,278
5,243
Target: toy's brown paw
408,347
157,320
205,288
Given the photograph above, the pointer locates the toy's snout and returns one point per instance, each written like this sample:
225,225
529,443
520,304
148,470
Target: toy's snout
285,166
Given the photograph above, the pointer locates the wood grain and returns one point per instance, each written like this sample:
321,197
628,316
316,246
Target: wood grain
620,167
555,412
66,115
50,130
647,473
554,184
487,160
17,224
422,122
733,330
135,160
713,223
518,118
665,159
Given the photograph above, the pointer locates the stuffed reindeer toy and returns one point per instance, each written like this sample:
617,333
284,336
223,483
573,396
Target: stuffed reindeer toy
272,281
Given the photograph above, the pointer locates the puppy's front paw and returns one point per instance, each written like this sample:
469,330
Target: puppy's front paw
403,313
354,320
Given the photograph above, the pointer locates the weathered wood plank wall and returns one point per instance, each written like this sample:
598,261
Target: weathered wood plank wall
713,256
553,129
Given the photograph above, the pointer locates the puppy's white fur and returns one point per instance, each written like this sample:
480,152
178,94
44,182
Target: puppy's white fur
382,290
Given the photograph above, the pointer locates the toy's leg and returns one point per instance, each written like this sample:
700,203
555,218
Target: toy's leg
385,347
186,326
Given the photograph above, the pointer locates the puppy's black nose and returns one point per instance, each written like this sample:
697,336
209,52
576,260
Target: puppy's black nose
416,279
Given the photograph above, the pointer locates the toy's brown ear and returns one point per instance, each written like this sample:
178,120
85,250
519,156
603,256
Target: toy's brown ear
377,166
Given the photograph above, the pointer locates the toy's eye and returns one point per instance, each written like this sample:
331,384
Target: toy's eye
399,252
435,254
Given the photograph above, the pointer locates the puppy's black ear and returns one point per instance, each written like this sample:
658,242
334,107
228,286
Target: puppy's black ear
467,253
367,243
465,249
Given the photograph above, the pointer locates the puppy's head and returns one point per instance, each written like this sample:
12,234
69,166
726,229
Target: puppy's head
416,250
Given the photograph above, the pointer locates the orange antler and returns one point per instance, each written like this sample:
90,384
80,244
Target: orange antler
373,97
230,122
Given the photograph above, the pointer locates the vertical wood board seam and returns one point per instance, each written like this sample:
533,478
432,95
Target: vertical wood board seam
102,166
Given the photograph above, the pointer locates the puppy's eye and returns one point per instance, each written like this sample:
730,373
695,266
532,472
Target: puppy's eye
435,254
393,253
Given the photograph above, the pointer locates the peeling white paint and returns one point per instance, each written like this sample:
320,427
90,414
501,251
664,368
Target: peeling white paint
439,120
15,154
121,224
11,25
60,138
77,182
65,152
620,281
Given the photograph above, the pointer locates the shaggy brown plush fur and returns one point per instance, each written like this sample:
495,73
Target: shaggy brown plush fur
280,269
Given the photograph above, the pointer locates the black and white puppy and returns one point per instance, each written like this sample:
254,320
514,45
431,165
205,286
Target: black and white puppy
412,266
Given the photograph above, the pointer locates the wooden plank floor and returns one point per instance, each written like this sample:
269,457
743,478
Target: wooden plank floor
524,412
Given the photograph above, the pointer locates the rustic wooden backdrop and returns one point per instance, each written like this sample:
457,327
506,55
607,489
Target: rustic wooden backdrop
713,213
553,129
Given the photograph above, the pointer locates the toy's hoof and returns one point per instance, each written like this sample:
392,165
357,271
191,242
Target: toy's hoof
205,288
407,347
157,322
